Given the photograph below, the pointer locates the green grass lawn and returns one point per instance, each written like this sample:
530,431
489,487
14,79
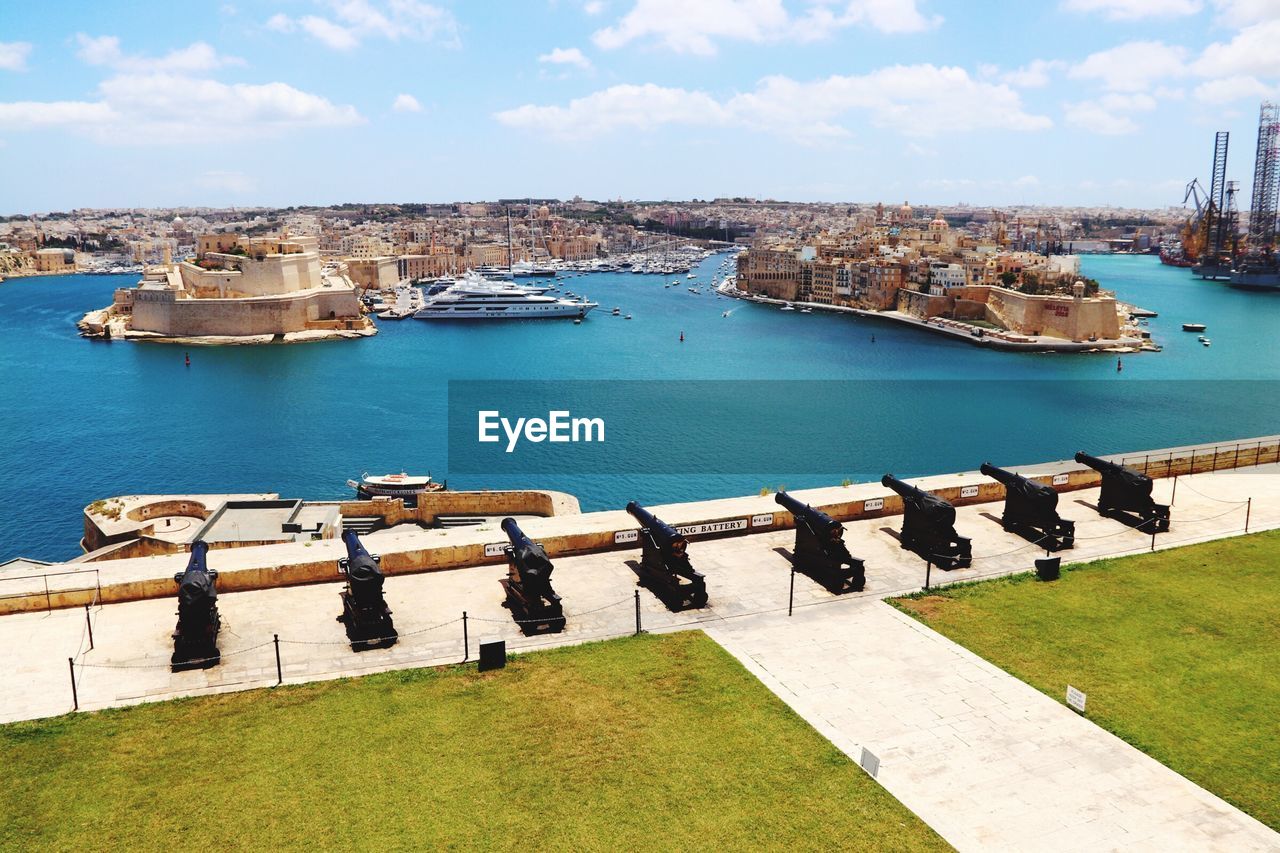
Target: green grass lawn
653,742
1178,651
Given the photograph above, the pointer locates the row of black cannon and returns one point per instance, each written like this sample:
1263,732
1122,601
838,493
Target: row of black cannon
928,530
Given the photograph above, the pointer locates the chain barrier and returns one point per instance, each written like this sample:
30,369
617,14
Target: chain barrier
374,640
189,663
627,600
1184,482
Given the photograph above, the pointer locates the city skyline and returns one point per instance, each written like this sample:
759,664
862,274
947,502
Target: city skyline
1083,102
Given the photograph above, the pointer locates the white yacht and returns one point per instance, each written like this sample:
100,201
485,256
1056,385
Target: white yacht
492,300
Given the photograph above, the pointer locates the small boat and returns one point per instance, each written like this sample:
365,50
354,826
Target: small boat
788,307
806,310
1193,327
399,485
577,321
617,311
628,317
1205,341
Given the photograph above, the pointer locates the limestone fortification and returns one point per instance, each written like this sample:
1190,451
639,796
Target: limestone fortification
236,290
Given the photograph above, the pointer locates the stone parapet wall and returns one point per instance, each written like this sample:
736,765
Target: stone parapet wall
420,550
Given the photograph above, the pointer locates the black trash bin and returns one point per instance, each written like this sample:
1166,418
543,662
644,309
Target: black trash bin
1048,568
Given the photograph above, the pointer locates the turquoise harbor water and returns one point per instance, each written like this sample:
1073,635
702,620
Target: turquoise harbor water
84,420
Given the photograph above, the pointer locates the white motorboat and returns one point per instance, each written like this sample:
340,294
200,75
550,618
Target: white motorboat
394,486
494,300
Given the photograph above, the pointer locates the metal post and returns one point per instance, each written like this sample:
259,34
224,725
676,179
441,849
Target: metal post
279,669
928,570
1235,462
1174,496
48,604
791,595
1215,458
75,699
466,641
637,612
88,623
1153,537
1146,465
1248,510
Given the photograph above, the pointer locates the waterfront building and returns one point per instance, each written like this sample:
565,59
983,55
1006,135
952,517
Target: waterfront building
259,289
55,260
377,273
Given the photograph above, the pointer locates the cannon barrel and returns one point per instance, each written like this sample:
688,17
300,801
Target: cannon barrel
1008,478
515,535
363,571
355,549
197,563
1097,464
196,584
904,489
663,532
816,518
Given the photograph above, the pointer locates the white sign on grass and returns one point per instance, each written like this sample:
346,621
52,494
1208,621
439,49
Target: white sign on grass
868,762
1075,698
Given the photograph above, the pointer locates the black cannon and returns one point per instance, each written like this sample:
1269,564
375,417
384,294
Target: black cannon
364,610
195,639
532,602
928,527
664,563
1031,510
820,551
1126,494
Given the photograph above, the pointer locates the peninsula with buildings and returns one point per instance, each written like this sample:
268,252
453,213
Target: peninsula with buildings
1005,279
236,290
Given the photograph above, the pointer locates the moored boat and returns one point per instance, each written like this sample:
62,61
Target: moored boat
400,485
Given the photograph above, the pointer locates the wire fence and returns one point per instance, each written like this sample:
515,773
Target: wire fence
409,648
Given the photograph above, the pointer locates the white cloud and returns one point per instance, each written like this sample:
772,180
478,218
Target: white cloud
105,50
1255,50
694,26
13,55
232,182
1111,114
1034,74
593,7
347,23
618,107
328,33
1132,67
406,104
1241,13
566,56
29,115
1132,10
1229,89
281,23
918,101
174,109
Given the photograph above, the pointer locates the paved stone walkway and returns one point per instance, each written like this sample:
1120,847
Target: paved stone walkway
987,761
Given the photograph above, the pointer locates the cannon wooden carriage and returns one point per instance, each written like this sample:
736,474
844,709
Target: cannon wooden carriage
364,609
928,527
1126,495
195,638
1031,510
665,569
820,551
529,595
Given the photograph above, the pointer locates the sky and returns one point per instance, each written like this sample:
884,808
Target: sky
296,102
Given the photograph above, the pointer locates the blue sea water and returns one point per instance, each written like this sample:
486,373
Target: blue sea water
84,420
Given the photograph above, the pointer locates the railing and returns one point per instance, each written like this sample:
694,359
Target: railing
1205,459
95,588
